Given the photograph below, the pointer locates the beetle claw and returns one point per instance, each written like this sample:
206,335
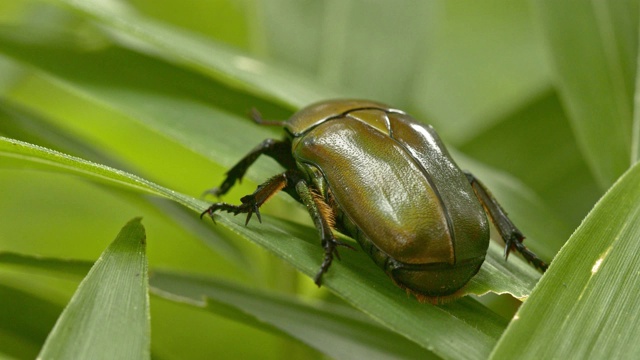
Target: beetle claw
528,254
318,278
250,213
507,250
209,211
330,250
256,209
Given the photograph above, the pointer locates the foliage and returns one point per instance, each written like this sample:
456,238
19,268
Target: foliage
112,110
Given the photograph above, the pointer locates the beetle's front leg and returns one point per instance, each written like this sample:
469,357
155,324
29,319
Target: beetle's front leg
323,219
251,203
512,237
279,150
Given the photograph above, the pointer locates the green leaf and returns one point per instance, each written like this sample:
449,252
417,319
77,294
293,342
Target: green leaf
186,116
192,51
515,276
354,278
108,316
46,157
198,102
50,265
536,145
328,32
485,62
25,321
593,285
23,124
217,138
366,287
336,330
593,53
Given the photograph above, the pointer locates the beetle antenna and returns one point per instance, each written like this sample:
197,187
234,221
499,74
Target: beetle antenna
257,117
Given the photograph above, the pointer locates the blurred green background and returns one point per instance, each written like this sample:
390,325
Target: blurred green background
539,106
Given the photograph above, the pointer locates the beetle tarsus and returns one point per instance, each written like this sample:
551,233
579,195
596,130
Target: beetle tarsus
529,255
512,237
251,203
508,247
208,212
253,209
330,250
223,207
249,207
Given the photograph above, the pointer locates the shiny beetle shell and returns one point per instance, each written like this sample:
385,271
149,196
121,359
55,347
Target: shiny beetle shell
396,190
376,174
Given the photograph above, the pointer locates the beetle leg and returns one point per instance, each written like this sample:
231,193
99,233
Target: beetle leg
319,211
512,237
322,216
278,150
251,203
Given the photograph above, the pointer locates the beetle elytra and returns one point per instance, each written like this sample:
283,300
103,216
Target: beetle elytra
379,176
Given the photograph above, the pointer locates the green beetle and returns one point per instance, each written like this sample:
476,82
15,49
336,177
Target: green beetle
376,174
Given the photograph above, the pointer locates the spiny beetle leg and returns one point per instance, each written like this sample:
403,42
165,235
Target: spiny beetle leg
248,208
323,219
530,256
330,250
278,150
251,203
512,237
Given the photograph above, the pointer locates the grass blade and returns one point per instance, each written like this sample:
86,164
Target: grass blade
593,285
337,331
594,55
108,316
50,265
12,148
354,278
367,288
218,62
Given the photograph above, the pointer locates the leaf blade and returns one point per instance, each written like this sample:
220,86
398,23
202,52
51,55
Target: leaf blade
594,55
333,329
97,317
21,150
357,281
593,283
218,62
363,285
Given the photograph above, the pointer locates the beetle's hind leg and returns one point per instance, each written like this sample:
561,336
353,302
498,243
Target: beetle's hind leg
276,149
323,219
512,237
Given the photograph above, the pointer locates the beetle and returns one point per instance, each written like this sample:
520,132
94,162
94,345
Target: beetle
376,174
